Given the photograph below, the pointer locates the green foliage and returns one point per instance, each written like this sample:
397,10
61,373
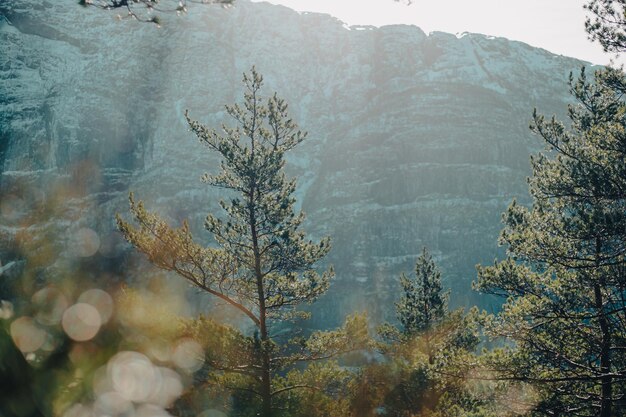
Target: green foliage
263,267
323,391
428,358
423,303
608,24
565,279
262,231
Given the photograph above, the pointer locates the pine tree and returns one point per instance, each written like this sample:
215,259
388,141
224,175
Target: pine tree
428,353
565,278
263,266
608,24
423,303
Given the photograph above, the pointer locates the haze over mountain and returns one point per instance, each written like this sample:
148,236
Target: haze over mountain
414,139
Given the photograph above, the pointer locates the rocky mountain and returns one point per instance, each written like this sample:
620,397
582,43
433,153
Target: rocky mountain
414,139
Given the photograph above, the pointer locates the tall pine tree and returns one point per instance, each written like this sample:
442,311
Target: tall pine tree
565,278
426,355
263,266
423,303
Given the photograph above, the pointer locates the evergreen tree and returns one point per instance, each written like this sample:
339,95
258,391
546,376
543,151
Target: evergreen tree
263,267
427,356
608,24
423,303
565,278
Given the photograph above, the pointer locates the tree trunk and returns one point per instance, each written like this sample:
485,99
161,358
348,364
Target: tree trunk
266,387
606,393
266,376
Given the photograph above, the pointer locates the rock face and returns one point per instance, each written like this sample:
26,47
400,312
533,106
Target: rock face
414,139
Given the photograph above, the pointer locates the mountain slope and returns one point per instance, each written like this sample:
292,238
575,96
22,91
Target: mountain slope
415,139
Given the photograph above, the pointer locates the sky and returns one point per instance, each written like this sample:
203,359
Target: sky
555,25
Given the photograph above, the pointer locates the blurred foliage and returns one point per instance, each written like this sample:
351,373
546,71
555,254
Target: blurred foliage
427,360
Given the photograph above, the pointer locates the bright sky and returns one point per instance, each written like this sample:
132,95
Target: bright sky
555,25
